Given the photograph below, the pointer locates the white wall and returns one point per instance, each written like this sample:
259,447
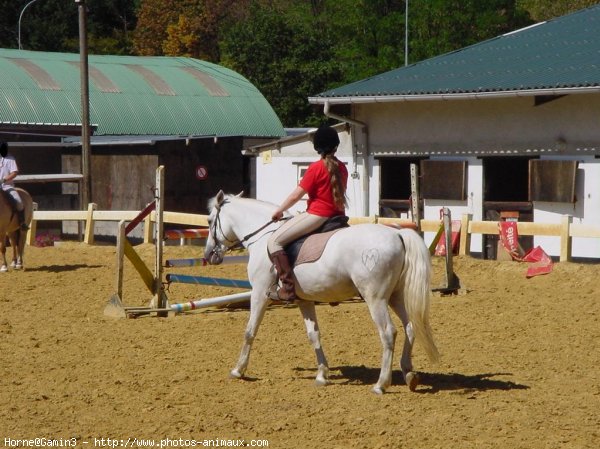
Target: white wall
277,172
492,126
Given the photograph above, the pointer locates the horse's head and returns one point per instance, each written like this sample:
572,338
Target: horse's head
221,235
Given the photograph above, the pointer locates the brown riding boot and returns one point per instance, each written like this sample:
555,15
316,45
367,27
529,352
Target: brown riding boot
287,291
21,218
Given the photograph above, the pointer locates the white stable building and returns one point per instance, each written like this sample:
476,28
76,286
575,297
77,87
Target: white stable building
507,127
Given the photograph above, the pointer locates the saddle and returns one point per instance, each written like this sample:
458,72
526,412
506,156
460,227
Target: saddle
309,248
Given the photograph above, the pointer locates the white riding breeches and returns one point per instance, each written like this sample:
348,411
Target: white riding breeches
293,229
15,195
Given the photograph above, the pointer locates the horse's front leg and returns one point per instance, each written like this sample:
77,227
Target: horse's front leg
15,243
312,329
3,266
258,307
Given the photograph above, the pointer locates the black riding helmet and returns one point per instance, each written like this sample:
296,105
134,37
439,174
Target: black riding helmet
325,140
3,148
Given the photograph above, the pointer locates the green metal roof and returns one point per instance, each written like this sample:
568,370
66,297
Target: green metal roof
131,95
559,55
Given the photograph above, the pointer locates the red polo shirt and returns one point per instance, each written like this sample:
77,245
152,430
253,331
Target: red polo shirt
318,186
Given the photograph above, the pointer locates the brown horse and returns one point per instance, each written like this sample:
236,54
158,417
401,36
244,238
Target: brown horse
9,227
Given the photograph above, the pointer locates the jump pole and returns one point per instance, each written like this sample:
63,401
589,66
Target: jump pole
204,280
192,305
202,262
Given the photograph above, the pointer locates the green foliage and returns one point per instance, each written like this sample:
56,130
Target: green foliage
285,59
53,25
541,10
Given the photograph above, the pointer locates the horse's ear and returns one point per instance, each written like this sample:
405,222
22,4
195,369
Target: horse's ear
220,197
241,194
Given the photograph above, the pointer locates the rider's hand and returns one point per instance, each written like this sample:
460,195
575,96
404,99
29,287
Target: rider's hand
277,215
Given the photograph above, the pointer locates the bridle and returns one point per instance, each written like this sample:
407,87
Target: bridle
221,248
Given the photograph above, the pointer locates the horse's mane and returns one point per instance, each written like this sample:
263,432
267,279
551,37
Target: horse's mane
231,197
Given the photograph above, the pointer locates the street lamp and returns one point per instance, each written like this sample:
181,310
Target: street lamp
20,16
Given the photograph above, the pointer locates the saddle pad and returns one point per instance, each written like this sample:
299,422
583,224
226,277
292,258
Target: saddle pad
313,247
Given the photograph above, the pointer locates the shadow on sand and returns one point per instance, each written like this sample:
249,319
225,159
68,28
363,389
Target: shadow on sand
428,382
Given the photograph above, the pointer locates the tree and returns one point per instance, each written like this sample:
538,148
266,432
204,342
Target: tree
541,10
184,27
53,25
285,59
441,26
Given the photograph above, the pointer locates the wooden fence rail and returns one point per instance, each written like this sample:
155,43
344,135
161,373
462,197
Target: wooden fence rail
566,230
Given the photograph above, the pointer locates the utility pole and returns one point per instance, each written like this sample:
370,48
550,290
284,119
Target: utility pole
406,35
85,194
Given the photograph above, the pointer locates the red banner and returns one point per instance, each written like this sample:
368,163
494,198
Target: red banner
509,236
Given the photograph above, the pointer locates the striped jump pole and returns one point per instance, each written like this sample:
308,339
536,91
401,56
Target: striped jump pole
210,302
204,280
173,234
188,306
202,262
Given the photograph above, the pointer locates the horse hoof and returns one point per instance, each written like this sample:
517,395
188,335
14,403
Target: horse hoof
18,266
378,390
235,374
322,382
412,380
3,269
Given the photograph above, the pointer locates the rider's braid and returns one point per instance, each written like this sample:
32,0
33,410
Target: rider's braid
337,189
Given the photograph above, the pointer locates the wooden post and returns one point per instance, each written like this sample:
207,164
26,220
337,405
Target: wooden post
32,227
120,254
452,281
465,236
89,224
161,299
414,194
566,241
148,228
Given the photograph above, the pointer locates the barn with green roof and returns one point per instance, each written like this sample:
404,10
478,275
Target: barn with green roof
144,111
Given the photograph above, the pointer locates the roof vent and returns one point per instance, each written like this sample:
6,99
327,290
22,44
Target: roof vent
207,81
37,74
159,85
100,80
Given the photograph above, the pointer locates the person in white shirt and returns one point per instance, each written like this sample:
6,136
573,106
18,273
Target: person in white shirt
8,172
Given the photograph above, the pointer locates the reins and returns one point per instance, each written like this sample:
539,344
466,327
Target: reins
240,243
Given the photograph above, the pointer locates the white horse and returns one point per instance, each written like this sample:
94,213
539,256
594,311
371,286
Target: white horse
384,266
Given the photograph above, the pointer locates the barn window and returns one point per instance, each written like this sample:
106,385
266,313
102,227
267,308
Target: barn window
444,180
552,181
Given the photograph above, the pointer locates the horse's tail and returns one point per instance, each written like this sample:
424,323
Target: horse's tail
416,274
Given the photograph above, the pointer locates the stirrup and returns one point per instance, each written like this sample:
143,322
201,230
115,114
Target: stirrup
273,295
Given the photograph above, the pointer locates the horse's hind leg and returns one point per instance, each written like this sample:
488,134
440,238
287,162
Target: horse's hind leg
387,333
312,329
258,307
410,377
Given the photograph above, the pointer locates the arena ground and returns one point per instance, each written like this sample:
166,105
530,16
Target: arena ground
519,364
